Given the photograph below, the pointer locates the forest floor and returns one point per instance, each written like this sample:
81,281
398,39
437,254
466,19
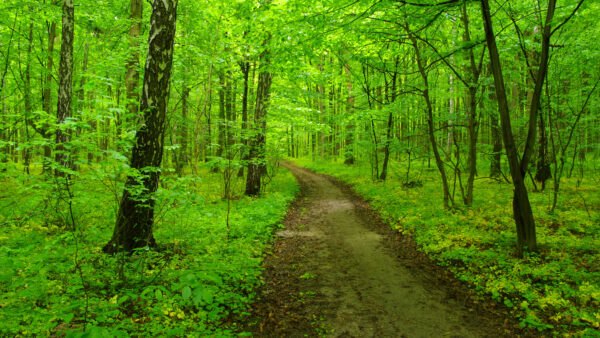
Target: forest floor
337,269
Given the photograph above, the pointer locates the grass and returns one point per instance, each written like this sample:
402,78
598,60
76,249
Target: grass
556,290
202,274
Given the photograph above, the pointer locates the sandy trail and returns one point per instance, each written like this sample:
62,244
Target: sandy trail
351,283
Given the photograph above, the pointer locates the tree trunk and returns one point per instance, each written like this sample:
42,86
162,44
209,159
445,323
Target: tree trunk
431,130
47,96
133,228
257,142
543,171
64,109
474,71
390,125
182,157
221,123
495,160
132,75
349,146
27,99
245,67
526,236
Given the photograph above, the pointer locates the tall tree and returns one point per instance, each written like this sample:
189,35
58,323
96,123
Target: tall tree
132,75
523,215
64,109
256,155
133,228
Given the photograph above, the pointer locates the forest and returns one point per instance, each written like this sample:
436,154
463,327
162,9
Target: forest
300,168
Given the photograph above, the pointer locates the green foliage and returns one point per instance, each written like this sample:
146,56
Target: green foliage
201,274
556,289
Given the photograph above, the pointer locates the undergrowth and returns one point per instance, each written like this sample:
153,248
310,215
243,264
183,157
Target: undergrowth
556,290
200,274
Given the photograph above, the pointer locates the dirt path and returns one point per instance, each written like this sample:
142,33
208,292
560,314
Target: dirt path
333,272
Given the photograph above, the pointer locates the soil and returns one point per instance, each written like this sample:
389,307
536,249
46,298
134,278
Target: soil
338,270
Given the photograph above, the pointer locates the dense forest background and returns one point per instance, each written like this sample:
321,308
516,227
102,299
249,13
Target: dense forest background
140,150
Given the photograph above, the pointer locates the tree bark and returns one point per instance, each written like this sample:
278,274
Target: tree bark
495,160
474,71
245,68
47,96
523,215
64,108
258,140
132,75
431,130
133,228
390,124
27,99
182,157
349,146
221,123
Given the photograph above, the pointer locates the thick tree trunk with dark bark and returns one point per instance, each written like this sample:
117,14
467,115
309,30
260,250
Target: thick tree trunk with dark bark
133,228
64,109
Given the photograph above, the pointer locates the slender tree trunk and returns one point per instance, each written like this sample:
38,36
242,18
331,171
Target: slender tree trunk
133,228
6,131
245,67
27,99
386,157
495,160
132,75
64,109
431,130
525,224
474,72
47,94
221,122
390,126
182,157
229,114
208,112
543,171
258,140
349,146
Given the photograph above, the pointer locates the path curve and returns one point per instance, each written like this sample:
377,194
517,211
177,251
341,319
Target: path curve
337,272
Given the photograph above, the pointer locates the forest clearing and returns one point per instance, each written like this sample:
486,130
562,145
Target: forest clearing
345,168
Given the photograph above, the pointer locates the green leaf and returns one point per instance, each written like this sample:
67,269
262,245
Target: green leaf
186,293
